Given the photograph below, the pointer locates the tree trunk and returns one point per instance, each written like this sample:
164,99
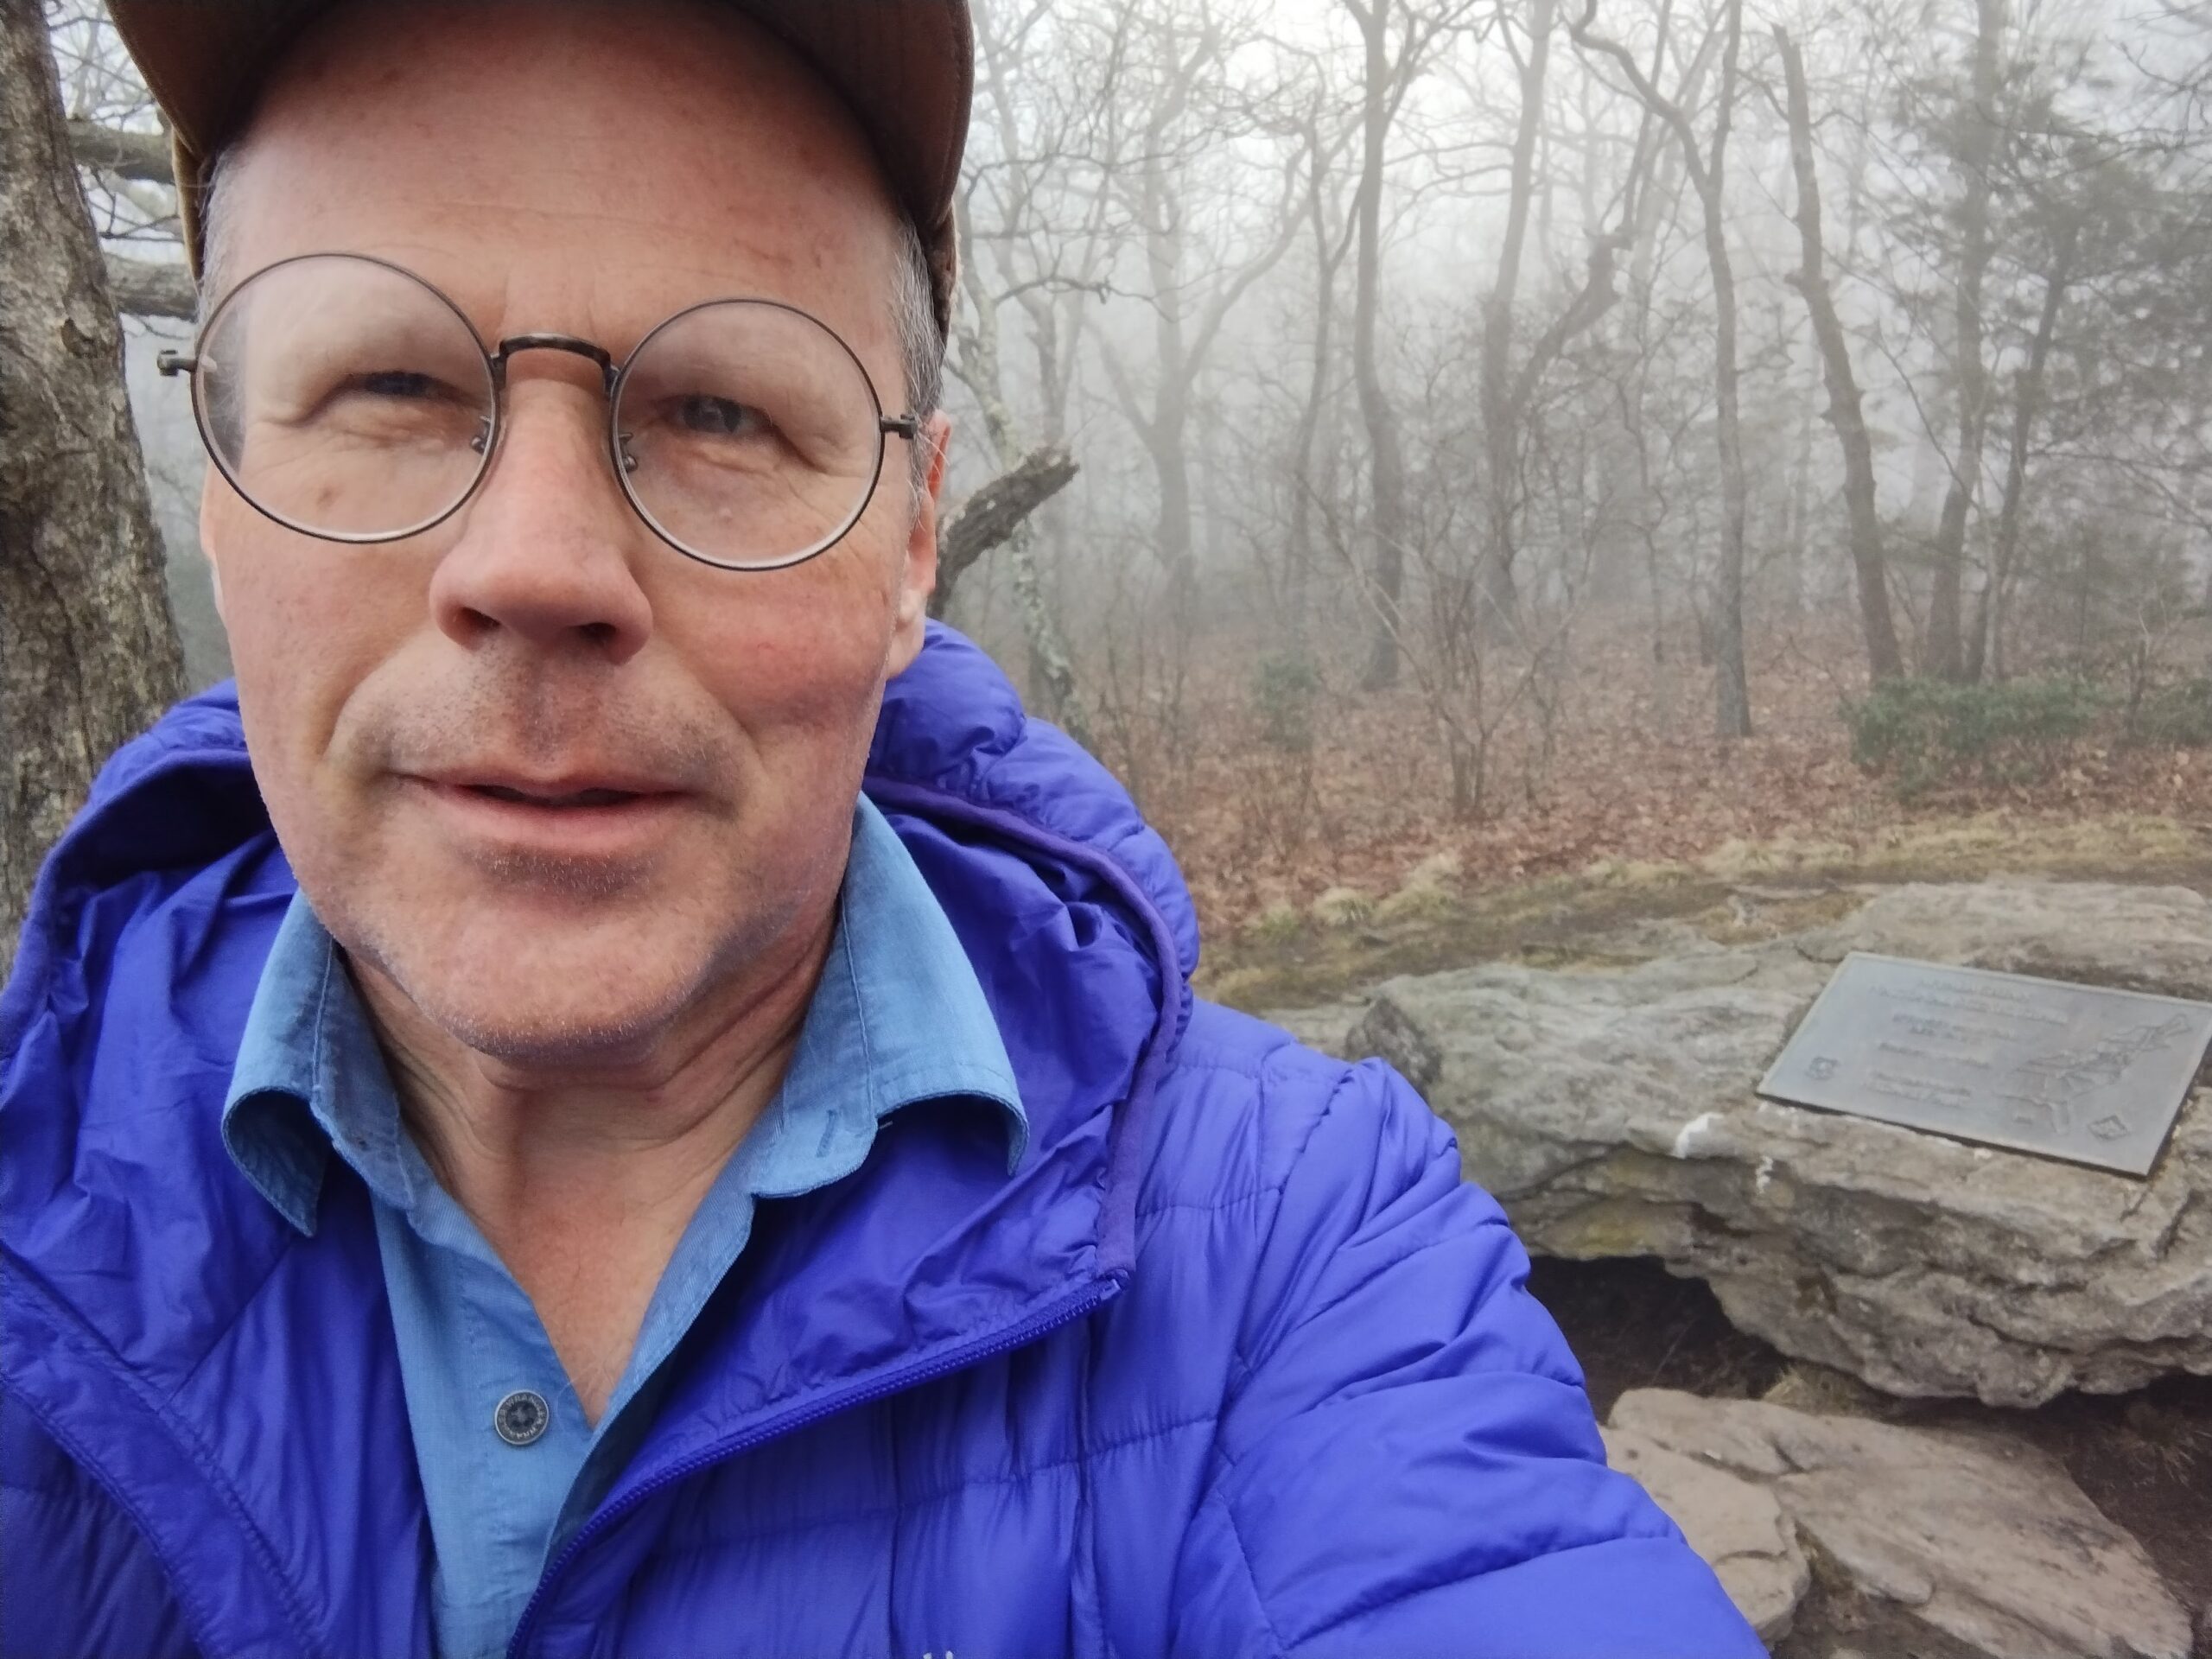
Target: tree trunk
88,653
1298,579
1986,645
1500,592
992,515
1941,653
1167,422
1387,508
1870,566
1722,633
1731,688
1799,512
980,367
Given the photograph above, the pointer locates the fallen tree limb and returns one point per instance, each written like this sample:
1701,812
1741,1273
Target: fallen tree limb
995,511
143,156
142,288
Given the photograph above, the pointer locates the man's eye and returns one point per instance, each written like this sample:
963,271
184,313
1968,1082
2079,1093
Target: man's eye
398,382
718,417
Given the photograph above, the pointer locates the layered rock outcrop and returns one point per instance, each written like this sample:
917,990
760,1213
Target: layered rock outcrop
1612,1110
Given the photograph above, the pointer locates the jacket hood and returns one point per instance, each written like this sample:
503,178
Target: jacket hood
953,725
163,1321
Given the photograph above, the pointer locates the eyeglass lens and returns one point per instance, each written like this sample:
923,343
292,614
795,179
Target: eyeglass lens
349,399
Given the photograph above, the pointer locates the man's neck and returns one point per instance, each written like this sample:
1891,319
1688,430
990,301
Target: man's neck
583,1178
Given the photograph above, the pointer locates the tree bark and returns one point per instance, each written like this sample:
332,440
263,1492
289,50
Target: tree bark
994,512
88,652
1386,457
1941,653
979,366
1499,590
143,157
1731,686
1986,645
1164,427
1188,310
141,288
1707,172
1845,411
1329,252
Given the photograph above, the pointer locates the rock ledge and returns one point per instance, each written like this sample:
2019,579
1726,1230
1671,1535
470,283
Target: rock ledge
1612,1114
1980,1537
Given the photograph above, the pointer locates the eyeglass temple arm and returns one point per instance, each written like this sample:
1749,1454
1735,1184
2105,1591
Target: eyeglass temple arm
176,362
908,427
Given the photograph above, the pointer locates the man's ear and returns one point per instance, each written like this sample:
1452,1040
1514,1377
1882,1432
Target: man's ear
918,568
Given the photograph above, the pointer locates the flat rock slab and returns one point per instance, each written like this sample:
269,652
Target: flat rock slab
1738,1525
1613,1113
1981,1537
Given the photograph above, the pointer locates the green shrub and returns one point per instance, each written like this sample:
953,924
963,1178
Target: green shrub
1284,692
1925,734
2175,717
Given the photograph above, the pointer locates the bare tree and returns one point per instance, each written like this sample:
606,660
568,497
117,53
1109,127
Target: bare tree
1031,239
1000,511
1986,643
1397,40
1501,425
89,655
1977,121
1706,166
1507,388
1331,229
1845,411
1186,112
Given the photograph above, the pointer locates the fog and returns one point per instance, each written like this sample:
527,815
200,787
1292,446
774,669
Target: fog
1469,402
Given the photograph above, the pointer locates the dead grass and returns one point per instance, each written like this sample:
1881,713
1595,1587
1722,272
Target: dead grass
1315,868
1289,958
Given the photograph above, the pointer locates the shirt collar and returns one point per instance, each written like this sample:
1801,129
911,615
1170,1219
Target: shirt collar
898,1018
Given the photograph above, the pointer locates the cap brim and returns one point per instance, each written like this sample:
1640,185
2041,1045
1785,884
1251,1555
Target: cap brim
905,67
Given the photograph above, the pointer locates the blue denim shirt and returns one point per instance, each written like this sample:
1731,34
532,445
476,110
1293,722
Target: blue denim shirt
898,1017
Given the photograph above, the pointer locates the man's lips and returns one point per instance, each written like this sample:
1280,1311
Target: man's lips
595,786
591,815
588,795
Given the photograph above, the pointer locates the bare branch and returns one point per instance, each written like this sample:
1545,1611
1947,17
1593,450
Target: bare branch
994,512
143,156
143,288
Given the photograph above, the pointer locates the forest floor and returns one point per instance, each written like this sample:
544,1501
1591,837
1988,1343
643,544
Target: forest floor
1318,874
1320,869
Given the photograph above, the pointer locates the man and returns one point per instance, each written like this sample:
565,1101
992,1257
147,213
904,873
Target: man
619,1099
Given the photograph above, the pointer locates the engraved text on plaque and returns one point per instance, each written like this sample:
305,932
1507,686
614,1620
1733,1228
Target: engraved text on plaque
2072,1072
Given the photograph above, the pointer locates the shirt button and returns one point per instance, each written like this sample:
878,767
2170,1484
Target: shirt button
521,1417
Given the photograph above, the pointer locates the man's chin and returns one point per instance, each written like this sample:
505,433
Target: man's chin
575,1037
539,1004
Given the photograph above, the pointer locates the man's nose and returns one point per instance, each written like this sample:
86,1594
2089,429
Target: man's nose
547,546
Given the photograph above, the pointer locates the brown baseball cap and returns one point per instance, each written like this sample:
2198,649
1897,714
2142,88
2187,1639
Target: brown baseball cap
906,69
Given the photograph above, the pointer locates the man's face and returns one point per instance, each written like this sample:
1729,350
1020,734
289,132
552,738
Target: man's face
586,171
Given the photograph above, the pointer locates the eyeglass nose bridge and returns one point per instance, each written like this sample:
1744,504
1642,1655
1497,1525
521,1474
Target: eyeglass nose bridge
608,374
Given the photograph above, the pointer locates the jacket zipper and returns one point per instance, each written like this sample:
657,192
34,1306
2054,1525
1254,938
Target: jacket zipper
1065,1312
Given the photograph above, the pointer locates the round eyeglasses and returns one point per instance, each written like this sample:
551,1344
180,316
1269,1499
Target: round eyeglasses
347,398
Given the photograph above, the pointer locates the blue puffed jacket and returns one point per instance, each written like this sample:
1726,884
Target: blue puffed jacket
1233,1364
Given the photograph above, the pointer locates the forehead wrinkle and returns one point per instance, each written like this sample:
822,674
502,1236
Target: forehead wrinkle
613,307
794,208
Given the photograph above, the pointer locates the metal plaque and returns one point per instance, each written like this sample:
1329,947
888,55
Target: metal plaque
2071,1071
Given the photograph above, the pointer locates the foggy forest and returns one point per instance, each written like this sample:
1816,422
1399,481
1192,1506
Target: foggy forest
1506,436
1582,523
